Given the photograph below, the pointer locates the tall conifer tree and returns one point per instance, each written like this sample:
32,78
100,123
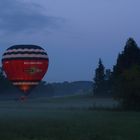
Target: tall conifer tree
129,57
99,77
126,76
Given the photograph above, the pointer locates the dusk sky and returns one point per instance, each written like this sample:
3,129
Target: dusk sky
75,33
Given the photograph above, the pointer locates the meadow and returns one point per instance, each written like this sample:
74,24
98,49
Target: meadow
40,119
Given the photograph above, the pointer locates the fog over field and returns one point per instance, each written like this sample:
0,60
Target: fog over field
66,102
65,118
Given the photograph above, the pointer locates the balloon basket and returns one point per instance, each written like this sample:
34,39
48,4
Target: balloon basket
23,98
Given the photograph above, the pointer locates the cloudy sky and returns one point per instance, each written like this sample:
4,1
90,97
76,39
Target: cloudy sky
75,33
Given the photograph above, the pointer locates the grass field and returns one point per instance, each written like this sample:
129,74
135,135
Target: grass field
33,120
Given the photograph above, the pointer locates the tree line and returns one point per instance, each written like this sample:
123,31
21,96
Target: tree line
123,81
45,89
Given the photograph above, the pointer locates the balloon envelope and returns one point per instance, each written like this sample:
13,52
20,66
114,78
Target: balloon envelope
25,65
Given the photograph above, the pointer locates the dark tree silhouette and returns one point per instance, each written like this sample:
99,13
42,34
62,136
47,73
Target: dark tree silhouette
126,76
4,83
129,57
99,78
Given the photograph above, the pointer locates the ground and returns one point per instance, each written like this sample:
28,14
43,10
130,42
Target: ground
42,119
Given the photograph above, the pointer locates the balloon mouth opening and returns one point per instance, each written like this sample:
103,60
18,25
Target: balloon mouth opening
24,88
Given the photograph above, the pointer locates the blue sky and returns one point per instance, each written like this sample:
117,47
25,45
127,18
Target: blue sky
75,33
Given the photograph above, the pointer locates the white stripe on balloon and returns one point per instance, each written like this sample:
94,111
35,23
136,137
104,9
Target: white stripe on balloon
25,83
25,50
25,55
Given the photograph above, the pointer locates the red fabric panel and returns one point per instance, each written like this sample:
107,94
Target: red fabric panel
25,70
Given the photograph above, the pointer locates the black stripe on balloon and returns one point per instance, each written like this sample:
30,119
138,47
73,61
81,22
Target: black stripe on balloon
25,58
26,52
25,47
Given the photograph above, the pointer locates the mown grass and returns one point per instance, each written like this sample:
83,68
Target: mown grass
31,124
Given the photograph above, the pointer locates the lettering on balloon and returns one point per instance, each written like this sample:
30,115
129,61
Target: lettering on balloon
32,70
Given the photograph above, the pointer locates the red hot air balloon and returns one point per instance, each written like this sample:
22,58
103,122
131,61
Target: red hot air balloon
25,65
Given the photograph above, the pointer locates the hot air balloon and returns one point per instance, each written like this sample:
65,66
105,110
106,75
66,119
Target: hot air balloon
25,65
